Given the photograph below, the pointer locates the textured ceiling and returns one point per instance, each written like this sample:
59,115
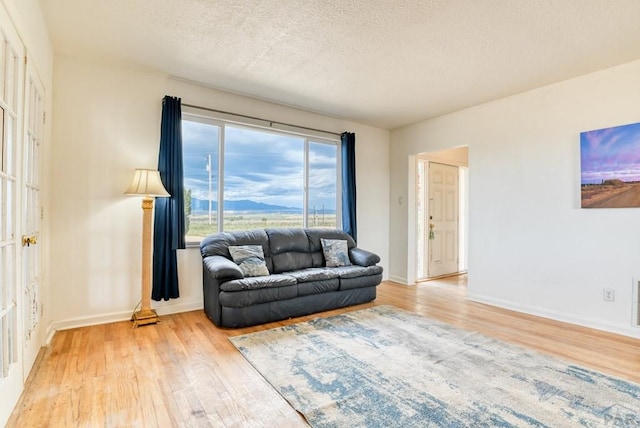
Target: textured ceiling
386,63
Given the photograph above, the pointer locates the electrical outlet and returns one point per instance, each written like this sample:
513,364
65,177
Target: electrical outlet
608,295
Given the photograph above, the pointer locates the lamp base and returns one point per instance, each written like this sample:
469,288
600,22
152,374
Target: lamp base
145,317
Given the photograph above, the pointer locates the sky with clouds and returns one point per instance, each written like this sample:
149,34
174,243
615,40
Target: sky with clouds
610,153
259,166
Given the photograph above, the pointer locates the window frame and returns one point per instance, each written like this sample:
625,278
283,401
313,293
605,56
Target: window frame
191,114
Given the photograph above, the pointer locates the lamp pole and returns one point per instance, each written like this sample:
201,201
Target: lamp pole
146,315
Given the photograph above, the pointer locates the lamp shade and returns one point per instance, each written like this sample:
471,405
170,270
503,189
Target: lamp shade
147,182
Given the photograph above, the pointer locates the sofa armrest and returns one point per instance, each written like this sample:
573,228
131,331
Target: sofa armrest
221,268
362,257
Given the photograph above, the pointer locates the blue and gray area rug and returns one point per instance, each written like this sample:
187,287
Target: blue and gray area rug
384,367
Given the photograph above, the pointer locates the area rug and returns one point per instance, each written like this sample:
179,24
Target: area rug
384,367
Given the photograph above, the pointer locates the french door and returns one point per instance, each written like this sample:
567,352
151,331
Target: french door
21,136
11,112
31,214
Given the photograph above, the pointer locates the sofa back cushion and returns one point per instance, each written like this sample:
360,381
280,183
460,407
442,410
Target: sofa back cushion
218,244
289,249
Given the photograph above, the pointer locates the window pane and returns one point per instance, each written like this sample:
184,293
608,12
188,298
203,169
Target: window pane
3,53
10,191
9,141
4,158
263,179
322,185
11,80
200,161
3,209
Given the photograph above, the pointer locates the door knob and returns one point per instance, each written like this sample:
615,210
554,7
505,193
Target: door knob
28,240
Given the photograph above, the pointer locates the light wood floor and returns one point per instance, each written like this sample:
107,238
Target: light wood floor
184,371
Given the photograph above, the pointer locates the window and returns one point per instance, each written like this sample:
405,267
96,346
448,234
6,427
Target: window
239,177
323,184
200,157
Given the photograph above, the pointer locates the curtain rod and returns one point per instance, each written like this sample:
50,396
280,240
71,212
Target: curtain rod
271,122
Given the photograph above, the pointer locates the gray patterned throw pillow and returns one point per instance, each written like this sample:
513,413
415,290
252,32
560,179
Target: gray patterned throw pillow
250,259
336,252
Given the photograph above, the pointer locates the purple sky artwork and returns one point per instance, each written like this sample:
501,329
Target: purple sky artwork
610,153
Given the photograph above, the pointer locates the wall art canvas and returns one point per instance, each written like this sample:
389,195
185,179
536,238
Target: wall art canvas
610,167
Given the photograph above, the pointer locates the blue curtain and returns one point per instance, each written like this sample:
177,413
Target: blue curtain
349,184
168,227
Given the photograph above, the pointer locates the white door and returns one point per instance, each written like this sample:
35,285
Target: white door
442,223
31,214
11,90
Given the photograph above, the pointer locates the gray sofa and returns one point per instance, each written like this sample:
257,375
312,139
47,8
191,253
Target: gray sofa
299,282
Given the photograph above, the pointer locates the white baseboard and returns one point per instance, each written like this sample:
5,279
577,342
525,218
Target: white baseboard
51,331
180,307
117,316
398,279
629,331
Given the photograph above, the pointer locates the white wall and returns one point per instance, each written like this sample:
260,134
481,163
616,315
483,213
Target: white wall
532,248
107,123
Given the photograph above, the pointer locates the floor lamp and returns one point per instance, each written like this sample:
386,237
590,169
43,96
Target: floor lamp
146,183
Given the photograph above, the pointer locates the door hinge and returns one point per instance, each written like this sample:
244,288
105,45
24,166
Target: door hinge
44,117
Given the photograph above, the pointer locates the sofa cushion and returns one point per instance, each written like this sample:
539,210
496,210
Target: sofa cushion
244,298
313,274
354,271
218,243
271,281
289,249
360,282
336,252
250,259
318,287
285,262
315,235
288,241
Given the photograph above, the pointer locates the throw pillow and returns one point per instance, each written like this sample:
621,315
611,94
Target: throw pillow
336,252
250,259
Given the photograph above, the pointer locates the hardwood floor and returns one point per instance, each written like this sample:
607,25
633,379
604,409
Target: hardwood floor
184,371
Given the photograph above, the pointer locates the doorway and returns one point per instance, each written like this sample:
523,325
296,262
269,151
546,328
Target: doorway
441,213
